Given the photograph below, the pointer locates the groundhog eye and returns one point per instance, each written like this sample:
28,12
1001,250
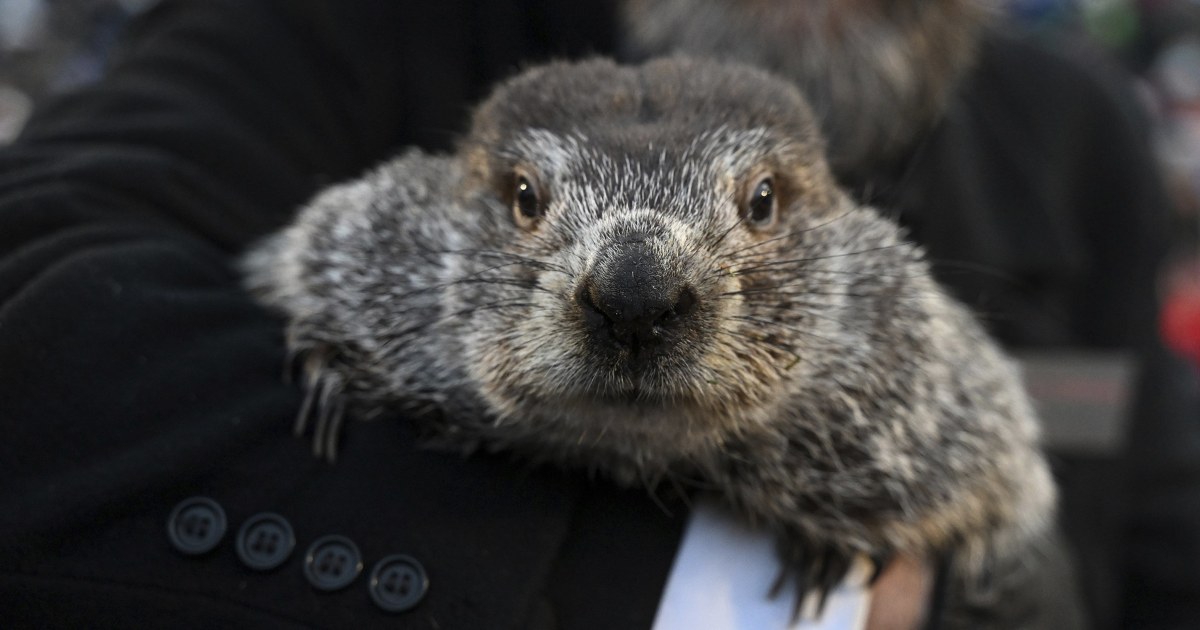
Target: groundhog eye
525,199
760,206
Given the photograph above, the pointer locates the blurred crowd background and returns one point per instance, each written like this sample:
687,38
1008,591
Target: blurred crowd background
49,46
1158,41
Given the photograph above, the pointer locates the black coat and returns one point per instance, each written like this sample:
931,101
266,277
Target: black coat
135,372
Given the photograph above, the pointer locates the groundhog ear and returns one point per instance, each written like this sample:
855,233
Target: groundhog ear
478,168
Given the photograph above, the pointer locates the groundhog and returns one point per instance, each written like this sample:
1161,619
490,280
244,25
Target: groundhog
649,272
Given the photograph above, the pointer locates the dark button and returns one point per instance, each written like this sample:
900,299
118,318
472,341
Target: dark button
196,525
332,562
398,583
265,541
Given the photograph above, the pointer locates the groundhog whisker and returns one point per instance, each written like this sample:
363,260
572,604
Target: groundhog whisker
391,339
802,261
865,274
486,307
791,288
513,258
791,347
734,255
493,253
795,329
532,262
490,307
443,285
739,254
774,344
818,290
838,321
836,289
717,239
986,270
738,334
710,241
519,283
539,245
815,294
813,288
398,312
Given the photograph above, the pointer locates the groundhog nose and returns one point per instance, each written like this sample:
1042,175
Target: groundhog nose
632,301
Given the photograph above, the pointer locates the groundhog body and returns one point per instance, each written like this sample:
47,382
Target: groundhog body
649,272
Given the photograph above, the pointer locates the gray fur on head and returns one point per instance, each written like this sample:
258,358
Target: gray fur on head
876,72
816,377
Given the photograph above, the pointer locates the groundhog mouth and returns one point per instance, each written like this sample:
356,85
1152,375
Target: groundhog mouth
633,408
658,383
635,396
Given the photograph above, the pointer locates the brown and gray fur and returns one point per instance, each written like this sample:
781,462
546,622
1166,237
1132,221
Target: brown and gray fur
820,382
877,73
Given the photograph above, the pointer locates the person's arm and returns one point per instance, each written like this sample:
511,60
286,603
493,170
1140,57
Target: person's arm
123,326
135,371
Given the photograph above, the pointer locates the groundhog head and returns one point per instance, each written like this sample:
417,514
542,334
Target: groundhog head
665,227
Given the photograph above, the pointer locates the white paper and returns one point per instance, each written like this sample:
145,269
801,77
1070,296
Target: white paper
723,575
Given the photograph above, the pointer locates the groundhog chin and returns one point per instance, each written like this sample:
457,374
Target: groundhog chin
659,419
639,430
